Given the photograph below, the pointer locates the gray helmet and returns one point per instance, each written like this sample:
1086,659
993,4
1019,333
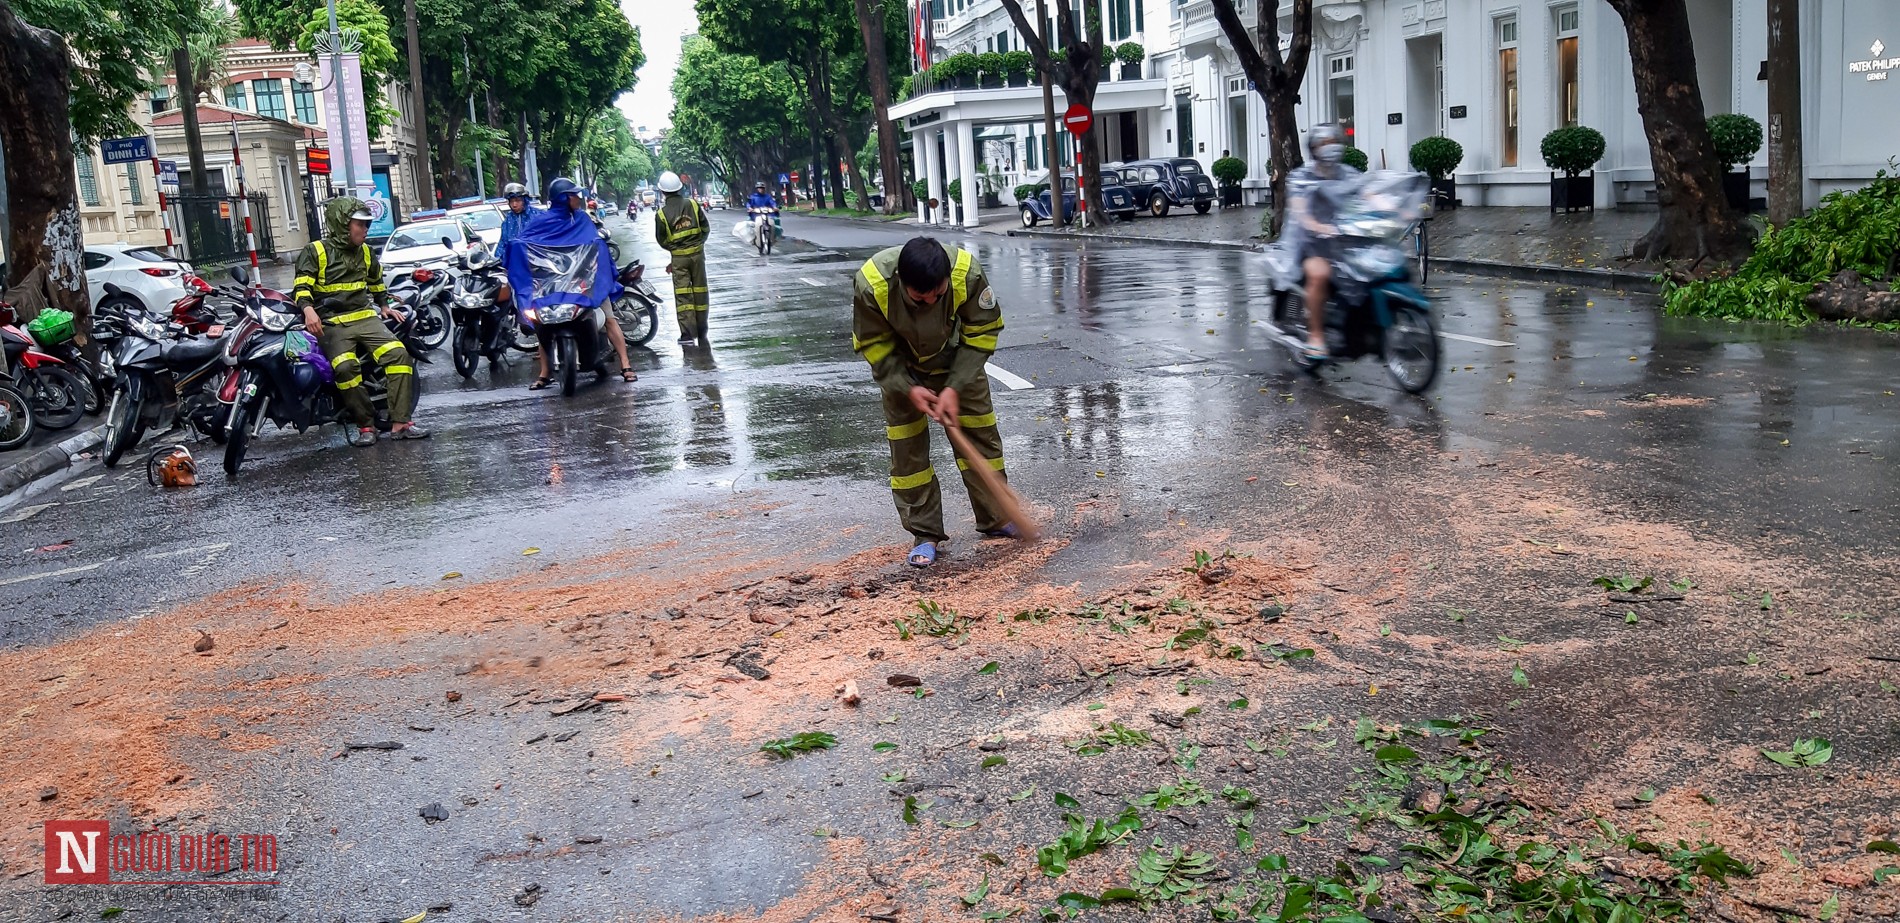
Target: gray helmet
514,191
1324,133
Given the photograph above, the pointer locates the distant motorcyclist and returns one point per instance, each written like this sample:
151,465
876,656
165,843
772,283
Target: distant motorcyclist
566,204
760,200
1315,192
520,212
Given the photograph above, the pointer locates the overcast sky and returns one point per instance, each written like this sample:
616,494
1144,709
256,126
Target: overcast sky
662,23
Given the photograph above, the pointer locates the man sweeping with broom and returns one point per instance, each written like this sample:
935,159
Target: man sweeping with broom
926,320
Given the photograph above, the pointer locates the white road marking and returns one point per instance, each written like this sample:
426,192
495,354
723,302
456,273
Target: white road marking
814,283
82,482
1010,380
55,573
213,548
1481,341
27,512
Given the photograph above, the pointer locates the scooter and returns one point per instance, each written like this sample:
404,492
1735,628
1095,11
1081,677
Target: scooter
763,230
637,310
428,294
484,324
576,333
162,373
57,395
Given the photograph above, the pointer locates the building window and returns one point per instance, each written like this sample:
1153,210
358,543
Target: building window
88,179
134,193
1339,72
1507,92
161,99
1002,40
1032,153
1237,117
234,96
1567,84
287,191
1121,20
270,97
303,95
1184,125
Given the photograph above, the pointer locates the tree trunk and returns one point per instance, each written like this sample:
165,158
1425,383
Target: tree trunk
871,23
419,100
188,106
1277,79
1077,68
41,187
1785,183
1695,221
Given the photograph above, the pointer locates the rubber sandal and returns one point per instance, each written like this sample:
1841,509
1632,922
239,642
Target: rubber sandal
1007,531
541,384
927,551
627,375
1316,354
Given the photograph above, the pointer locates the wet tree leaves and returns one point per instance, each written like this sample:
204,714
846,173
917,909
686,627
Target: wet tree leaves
785,748
1808,751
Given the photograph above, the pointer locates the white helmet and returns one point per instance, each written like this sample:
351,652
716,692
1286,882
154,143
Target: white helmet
670,182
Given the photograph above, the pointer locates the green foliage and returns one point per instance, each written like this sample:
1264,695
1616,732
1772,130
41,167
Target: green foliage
1437,157
990,64
619,161
1162,875
1230,170
954,191
114,45
1857,230
1737,139
921,190
379,54
1081,837
785,748
1131,52
1356,159
954,66
1024,193
1573,149
735,112
1108,54
1018,62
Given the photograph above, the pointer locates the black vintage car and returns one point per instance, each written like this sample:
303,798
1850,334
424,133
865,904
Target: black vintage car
1168,183
1118,201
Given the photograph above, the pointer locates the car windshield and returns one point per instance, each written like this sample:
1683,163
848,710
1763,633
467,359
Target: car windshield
1187,167
148,255
1110,178
487,219
423,235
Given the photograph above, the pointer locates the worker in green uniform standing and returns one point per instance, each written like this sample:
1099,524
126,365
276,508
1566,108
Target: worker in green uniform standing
680,226
337,279
926,320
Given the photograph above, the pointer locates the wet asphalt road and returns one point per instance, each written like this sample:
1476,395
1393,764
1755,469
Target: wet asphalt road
1138,362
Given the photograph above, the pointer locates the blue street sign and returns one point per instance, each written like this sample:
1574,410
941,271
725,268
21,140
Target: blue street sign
126,150
784,179
168,172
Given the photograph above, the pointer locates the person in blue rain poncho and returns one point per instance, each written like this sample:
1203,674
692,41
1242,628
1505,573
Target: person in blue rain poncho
566,223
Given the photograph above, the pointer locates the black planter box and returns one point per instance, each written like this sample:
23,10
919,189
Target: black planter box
962,82
992,81
1019,80
1445,193
1735,188
1230,196
1573,193
1131,71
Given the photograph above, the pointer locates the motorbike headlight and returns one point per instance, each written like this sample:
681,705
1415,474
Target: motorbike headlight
277,321
468,300
1375,261
559,313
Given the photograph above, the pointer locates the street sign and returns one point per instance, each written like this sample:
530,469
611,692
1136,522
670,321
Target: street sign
784,180
794,176
168,172
317,161
126,150
1078,119
224,209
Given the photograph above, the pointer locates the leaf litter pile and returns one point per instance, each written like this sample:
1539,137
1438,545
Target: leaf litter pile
1487,716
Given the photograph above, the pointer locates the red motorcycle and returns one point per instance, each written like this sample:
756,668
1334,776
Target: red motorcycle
57,396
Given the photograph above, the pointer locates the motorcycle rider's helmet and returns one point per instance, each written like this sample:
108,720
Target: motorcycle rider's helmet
560,189
1326,142
514,191
759,186
670,182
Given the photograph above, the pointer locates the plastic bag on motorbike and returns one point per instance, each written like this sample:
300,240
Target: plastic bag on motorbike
563,274
300,347
743,231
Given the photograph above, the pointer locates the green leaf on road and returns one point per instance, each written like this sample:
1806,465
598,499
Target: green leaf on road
1065,801
958,824
785,748
1519,677
1096,706
910,810
1829,907
982,891
990,668
1031,790
1887,846
883,746
1395,753
1808,751
992,761
894,777
1239,704
1646,795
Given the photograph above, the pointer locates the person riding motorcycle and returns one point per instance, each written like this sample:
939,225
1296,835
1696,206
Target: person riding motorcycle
1315,192
760,200
346,274
565,206
519,213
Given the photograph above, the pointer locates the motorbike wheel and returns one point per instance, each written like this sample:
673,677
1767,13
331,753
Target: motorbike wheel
613,249
124,420
638,321
239,441
526,341
59,398
1411,348
570,359
468,351
16,418
434,327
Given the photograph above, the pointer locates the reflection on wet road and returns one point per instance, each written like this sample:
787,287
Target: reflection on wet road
1147,365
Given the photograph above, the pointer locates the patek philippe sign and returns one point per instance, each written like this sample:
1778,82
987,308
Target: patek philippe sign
1877,67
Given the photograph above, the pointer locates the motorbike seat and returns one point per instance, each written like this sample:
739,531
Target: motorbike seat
190,351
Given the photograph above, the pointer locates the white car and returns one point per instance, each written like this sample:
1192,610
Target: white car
420,244
485,220
715,201
146,276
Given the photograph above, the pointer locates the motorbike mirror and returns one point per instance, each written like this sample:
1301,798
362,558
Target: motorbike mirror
241,275
111,289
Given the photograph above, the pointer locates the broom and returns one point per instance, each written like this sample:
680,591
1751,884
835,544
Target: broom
1012,504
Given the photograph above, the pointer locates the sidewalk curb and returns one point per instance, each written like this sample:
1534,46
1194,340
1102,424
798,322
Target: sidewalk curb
1159,241
50,459
1590,278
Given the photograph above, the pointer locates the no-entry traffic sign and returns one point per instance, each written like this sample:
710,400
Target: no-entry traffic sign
1078,119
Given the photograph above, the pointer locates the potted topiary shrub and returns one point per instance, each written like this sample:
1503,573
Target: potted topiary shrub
1108,60
957,71
1228,172
1131,54
1356,159
1573,151
1437,158
989,188
1016,65
1737,139
990,65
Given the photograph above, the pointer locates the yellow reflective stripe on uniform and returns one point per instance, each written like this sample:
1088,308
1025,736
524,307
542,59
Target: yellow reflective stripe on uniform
323,260
687,251
996,464
908,481
690,290
988,419
303,281
880,287
386,347
345,357
345,384
985,328
378,287
873,350
352,317
988,342
343,287
907,430
960,277
400,370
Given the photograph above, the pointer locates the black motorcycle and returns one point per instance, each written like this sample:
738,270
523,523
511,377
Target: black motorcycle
484,325
576,333
428,293
637,309
162,375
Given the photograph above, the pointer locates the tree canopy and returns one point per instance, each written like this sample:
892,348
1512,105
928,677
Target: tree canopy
738,115
378,56
114,44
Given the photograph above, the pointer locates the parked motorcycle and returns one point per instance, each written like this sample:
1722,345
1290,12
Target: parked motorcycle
58,396
16,416
162,377
637,310
484,325
1373,309
428,293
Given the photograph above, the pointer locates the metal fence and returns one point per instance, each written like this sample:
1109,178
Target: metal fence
210,228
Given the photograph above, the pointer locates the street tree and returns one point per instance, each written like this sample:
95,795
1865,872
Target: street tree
874,20
1694,220
1077,68
1277,78
739,116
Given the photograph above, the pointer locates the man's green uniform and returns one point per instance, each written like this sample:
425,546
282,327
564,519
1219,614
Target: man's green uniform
938,346
680,226
343,281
